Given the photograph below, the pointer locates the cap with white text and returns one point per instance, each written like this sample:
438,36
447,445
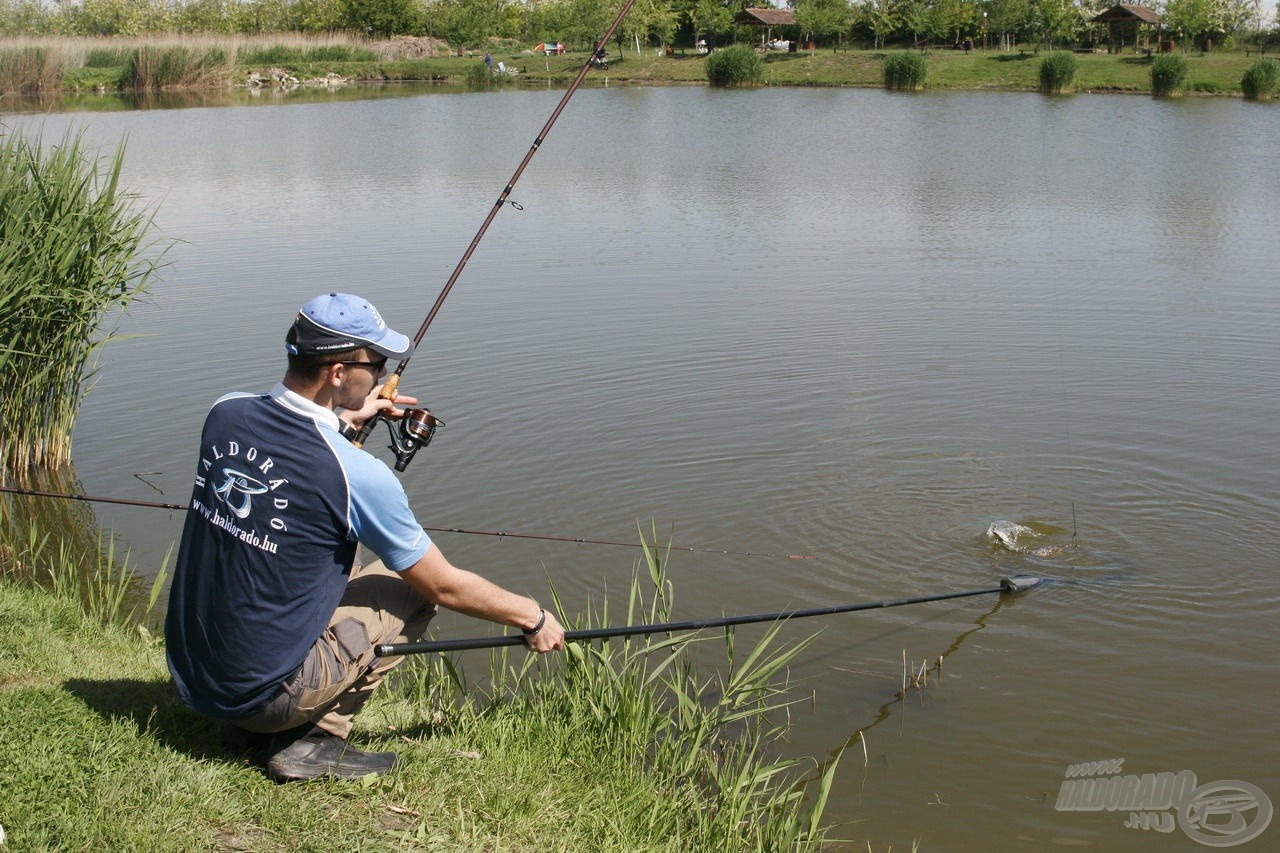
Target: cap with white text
338,322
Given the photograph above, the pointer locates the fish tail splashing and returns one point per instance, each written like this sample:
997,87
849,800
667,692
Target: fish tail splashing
1029,538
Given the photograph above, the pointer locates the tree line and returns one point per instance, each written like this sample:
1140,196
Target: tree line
477,23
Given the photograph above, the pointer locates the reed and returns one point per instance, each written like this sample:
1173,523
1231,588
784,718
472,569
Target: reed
30,69
905,71
1261,79
734,66
177,66
72,253
1169,73
1057,72
42,64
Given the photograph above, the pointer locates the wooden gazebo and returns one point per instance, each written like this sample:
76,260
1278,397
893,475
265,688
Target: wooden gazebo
1128,23
766,20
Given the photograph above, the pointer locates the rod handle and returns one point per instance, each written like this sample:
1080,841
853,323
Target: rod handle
388,392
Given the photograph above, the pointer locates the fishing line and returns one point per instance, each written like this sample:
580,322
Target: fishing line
577,540
405,451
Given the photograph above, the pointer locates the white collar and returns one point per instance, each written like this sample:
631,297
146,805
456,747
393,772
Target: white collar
295,402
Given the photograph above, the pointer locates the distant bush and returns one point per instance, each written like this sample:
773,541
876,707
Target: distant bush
481,76
1057,71
1169,73
107,57
1261,80
904,71
736,65
281,54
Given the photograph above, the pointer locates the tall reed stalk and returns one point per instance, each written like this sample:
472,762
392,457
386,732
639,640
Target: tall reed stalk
1057,71
71,254
1261,80
178,66
1169,73
905,71
30,69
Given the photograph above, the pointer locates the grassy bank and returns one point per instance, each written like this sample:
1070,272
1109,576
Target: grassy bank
80,65
610,748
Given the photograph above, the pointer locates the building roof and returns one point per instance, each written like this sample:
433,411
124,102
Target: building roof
1127,12
766,17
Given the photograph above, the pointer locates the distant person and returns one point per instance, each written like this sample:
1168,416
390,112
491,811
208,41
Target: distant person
488,62
272,625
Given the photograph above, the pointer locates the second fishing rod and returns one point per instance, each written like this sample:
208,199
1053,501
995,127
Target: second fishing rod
418,426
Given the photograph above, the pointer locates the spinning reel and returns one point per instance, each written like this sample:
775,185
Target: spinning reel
417,428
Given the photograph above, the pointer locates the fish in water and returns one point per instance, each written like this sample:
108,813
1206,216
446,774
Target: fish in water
1010,535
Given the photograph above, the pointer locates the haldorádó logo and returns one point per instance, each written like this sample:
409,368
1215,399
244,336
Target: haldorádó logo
1219,814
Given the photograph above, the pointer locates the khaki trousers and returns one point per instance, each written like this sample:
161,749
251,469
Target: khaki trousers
341,671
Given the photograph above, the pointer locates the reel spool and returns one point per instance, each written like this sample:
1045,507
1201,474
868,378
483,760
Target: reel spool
417,428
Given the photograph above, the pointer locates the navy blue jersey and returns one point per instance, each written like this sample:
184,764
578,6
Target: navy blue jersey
279,505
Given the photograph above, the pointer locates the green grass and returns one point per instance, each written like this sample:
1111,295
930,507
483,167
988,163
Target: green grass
610,747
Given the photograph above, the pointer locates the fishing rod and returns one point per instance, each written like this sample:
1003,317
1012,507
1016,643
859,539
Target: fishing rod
13,490
418,426
1010,585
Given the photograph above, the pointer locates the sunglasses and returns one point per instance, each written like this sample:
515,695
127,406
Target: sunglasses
375,366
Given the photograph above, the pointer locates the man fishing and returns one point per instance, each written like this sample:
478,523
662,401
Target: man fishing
271,625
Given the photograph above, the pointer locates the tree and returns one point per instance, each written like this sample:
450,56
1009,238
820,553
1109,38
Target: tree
823,19
1199,20
952,19
650,19
1056,21
381,17
1007,19
881,19
709,18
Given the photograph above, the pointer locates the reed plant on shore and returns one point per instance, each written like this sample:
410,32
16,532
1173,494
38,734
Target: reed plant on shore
1169,74
152,67
1057,71
1260,81
905,71
31,69
734,66
72,252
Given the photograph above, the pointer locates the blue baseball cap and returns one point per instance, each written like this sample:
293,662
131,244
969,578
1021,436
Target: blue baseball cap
337,322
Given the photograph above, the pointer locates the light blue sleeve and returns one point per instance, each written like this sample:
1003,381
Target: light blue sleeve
378,510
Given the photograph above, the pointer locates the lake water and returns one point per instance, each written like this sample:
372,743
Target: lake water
840,323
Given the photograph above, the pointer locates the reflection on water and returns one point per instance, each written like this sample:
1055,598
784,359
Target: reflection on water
840,323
